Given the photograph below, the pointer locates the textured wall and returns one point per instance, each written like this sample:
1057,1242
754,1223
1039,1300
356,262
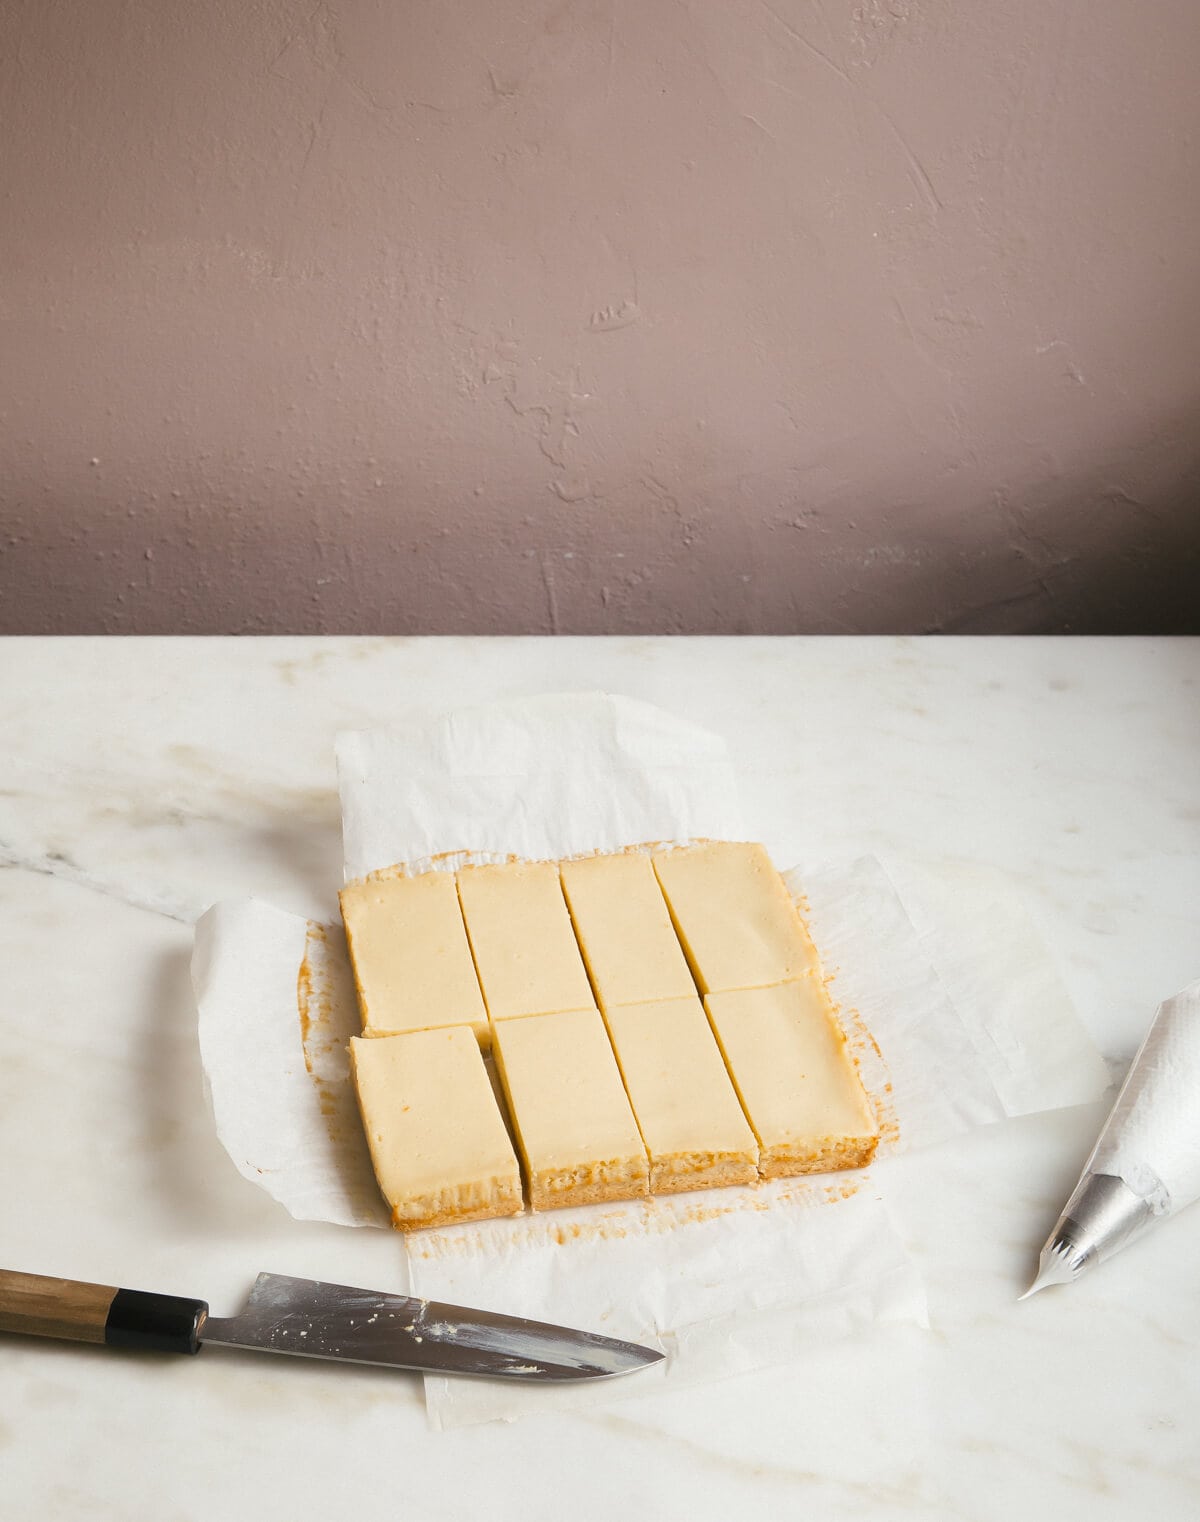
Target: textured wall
599,315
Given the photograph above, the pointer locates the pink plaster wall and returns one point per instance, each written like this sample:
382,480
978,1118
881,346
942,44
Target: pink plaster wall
599,315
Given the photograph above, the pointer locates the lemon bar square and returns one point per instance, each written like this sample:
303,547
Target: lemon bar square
798,1084
521,937
734,916
624,930
689,1114
438,1142
408,947
577,1136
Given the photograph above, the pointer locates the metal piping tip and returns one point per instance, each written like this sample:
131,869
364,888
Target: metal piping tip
1102,1214
1055,1266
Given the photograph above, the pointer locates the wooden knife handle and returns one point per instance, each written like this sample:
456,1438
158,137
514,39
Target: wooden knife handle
98,1313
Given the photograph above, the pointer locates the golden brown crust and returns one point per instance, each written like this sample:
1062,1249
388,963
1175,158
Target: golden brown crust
831,1157
508,1204
543,1196
668,1179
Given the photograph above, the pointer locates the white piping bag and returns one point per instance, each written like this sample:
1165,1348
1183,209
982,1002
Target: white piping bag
1146,1163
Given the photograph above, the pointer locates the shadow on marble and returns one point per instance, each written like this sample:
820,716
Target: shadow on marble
312,1378
306,853
190,1176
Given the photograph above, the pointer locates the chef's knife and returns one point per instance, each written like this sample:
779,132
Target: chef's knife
315,1320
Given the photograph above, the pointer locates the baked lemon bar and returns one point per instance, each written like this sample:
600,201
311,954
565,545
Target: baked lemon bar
686,1108
408,947
438,1141
797,1082
520,932
734,917
578,1139
624,930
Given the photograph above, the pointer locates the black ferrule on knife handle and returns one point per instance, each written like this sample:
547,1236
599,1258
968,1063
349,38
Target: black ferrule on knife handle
161,1323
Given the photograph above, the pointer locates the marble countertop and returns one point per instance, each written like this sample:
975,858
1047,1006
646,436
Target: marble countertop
142,780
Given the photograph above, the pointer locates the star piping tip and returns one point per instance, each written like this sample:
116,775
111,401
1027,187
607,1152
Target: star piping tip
1053,1268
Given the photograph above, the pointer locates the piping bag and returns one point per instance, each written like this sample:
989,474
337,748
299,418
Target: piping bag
1146,1162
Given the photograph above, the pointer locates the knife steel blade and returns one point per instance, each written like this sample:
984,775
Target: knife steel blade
310,1319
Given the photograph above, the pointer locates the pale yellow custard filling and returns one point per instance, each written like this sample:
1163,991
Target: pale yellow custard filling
624,930
734,916
408,947
521,937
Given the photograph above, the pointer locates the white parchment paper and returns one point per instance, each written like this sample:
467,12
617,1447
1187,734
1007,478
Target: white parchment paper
547,777
723,1281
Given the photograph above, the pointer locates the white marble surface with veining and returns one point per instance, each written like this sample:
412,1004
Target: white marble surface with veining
140,781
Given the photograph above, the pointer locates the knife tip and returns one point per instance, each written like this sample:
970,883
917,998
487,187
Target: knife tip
640,1358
